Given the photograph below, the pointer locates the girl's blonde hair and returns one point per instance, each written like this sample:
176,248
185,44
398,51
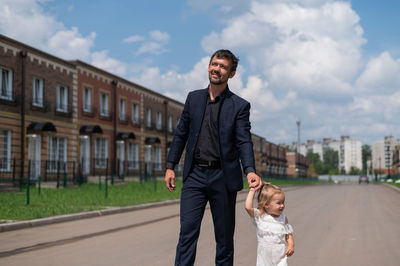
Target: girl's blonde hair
267,191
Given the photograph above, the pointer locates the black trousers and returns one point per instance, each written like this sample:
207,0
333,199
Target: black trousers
206,185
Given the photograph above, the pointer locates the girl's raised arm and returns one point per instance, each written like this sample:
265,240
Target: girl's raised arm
248,204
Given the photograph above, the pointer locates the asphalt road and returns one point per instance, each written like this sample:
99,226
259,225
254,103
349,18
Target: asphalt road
334,225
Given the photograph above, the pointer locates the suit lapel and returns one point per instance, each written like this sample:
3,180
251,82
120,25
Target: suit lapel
200,107
224,109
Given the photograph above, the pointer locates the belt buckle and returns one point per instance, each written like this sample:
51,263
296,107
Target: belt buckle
202,164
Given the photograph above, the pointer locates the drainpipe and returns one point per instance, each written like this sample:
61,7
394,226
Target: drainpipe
23,55
166,128
114,84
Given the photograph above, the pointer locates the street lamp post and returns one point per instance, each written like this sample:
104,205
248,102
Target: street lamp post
379,167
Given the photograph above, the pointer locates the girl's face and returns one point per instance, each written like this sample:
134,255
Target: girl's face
276,206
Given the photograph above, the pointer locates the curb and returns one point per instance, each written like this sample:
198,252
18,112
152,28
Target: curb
393,187
82,215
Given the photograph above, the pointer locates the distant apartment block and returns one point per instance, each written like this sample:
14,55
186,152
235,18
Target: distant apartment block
349,151
382,154
350,154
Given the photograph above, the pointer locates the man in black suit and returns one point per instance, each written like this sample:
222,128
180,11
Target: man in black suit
215,128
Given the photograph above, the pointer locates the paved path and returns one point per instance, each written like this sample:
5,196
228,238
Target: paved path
334,225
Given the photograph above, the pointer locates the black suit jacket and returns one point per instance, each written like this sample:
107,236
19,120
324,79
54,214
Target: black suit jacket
235,141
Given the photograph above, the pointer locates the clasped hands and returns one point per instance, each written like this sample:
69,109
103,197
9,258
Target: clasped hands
254,181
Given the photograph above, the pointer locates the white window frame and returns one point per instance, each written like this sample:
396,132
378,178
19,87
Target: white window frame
5,151
104,104
157,158
159,120
37,91
135,113
6,76
100,152
122,107
87,99
170,126
133,156
57,152
62,98
148,117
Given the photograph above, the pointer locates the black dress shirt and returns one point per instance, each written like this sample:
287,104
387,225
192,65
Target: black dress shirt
207,148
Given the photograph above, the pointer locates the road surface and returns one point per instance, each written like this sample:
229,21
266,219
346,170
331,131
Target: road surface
334,225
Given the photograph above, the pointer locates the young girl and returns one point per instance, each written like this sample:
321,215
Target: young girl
274,234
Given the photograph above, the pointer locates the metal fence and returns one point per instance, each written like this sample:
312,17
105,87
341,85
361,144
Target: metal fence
62,172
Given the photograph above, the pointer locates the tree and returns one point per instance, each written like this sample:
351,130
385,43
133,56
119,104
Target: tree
331,161
354,171
315,161
366,155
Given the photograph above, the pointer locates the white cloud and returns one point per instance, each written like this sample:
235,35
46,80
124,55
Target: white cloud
154,43
172,83
382,74
134,38
69,44
159,36
103,61
26,20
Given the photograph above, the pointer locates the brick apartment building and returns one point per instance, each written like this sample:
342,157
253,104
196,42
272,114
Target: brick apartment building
270,159
71,117
37,110
298,164
395,171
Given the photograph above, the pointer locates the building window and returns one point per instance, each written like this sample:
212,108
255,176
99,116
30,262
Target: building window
135,113
57,154
100,152
122,113
62,99
87,99
6,83
148,120
37,92
104,104
133,155
5,150
159,120
157,158
170,126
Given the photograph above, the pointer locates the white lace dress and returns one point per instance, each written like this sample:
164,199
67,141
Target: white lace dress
272,243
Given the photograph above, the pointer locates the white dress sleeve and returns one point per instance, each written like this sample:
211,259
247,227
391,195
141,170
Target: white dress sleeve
289,229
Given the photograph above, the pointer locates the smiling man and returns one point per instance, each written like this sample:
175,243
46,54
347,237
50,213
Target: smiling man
215,128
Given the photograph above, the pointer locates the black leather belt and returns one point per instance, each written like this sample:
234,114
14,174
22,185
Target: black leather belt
211,164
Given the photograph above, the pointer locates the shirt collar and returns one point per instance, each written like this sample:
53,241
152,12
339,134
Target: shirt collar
223,94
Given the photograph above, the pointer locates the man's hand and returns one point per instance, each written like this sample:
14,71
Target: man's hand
170,179
254,181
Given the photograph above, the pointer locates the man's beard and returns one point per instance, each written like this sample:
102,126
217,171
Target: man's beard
217,82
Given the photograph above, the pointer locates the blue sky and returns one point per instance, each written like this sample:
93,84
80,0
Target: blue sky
335,65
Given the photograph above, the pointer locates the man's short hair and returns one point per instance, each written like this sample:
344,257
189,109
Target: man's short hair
223,53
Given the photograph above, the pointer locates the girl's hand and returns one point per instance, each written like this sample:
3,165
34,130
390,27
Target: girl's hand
289,251
290,247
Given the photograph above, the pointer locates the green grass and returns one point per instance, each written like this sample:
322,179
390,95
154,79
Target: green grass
88,197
